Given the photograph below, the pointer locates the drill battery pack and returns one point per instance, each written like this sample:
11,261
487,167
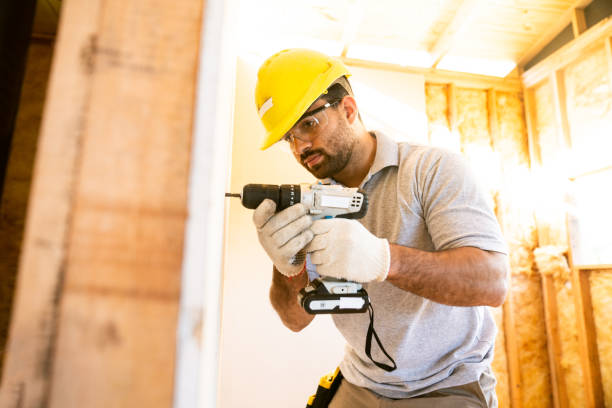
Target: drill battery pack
329,295
328,385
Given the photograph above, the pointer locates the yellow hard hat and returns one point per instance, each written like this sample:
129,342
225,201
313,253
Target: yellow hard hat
288,83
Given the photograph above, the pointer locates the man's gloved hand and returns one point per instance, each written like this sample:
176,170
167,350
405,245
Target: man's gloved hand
345,249
282,235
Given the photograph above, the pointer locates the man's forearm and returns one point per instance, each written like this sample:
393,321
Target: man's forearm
283,296
464,276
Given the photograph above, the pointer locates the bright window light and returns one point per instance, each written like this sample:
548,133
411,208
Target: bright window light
483,66
396,56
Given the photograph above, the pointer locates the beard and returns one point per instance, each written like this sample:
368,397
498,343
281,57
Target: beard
336,155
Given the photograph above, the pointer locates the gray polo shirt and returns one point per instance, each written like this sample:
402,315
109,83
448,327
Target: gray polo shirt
425,198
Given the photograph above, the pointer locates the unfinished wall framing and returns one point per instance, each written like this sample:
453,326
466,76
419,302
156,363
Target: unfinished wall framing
486,123
569,116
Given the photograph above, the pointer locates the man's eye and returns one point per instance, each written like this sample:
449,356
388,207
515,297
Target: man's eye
308,123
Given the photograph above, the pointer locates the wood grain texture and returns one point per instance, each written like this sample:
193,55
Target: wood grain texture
102,255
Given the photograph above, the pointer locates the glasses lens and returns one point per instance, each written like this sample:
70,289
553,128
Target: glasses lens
308,128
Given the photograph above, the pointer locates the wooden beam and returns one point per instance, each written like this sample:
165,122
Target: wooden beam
439,76
493,121
548,36
460,22
557,81
512,353
98,287
553,342
579,25
535,156
589,355
593,37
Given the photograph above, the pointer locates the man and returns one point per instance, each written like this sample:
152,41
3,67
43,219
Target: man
429,251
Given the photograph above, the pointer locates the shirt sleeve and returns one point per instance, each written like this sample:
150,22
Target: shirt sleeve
454,205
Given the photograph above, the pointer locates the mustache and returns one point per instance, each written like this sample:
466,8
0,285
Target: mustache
304,156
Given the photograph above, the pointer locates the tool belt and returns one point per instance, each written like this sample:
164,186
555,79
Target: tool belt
328,385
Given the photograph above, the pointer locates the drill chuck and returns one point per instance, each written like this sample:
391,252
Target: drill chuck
284,195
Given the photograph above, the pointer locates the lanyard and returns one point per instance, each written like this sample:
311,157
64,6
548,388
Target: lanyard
368,345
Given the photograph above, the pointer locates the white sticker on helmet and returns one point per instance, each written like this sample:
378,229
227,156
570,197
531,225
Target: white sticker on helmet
265,107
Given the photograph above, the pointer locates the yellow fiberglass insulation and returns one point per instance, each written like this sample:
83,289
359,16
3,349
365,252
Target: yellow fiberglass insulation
601,295
511,141
531,337
500,364
473,117
551,260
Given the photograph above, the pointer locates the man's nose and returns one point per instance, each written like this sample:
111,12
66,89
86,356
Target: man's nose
300,146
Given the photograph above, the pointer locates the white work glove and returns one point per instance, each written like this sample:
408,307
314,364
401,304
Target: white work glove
283,235
345,249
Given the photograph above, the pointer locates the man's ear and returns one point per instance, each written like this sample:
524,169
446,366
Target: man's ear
350,108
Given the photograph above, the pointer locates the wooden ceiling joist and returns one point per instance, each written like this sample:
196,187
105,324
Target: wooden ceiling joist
569,52
549,35
464,15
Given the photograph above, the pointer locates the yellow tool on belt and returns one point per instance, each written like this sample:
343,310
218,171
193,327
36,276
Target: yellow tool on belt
328,385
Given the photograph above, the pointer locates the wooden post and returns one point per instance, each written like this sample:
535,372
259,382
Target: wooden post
535,156
99,282
514,366
554,341
589,355
578,21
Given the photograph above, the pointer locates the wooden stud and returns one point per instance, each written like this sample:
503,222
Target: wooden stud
554,342
493,121
512,353
557,81
535,156
579,25
589,355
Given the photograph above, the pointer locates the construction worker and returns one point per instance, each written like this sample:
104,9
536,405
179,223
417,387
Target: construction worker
429,251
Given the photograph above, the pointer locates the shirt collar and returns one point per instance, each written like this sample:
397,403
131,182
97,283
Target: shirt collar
387,154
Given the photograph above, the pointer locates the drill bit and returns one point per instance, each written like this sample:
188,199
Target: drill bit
233,195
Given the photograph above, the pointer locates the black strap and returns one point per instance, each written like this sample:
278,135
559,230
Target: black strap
368,345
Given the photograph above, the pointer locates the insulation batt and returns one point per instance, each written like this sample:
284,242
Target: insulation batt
551,260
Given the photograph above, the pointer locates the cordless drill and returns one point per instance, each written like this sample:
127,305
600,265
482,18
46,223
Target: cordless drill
323,294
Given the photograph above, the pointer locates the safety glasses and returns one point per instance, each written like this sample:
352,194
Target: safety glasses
310,125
